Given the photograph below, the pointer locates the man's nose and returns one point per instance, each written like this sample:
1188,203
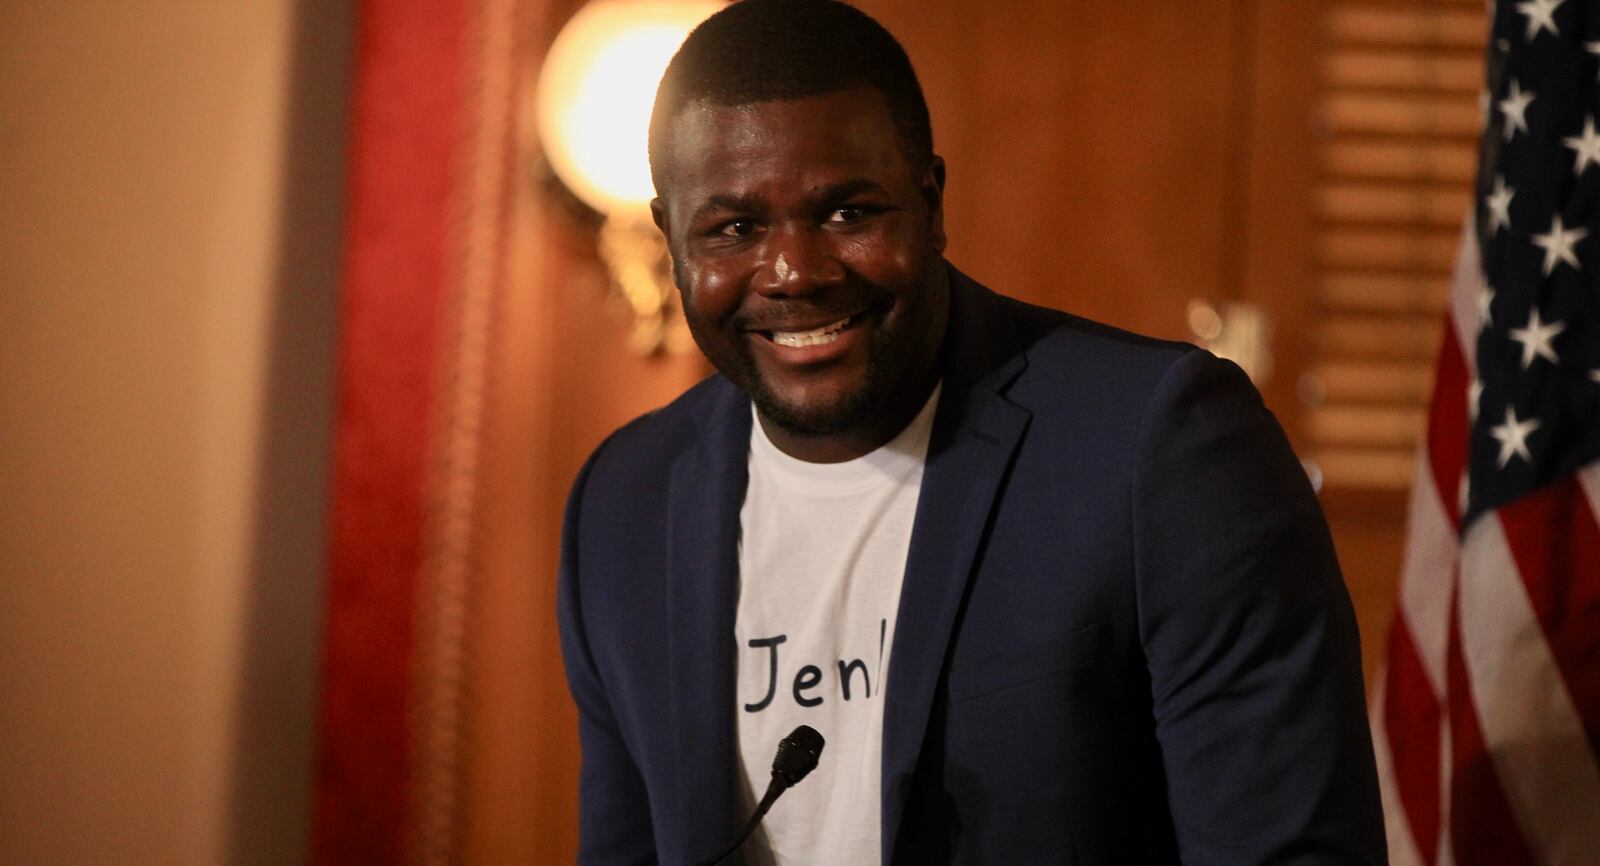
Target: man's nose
799,261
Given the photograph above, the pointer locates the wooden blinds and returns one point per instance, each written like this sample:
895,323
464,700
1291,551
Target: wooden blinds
1398,118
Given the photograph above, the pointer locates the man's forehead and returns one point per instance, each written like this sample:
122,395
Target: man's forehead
701,124
855,124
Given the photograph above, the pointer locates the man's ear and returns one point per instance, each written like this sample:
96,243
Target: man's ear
658,213
932,189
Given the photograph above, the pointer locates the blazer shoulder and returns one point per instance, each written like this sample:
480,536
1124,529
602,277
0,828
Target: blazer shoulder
649,444
1068,353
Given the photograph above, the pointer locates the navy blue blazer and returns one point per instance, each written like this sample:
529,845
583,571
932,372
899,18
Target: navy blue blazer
1122,635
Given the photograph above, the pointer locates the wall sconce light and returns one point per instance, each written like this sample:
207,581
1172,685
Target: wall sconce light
594,96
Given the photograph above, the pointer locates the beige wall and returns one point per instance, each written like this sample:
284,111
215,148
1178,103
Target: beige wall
169,185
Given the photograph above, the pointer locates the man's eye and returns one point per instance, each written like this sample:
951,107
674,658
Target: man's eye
847,214
737,228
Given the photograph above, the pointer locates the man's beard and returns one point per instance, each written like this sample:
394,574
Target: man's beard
823,420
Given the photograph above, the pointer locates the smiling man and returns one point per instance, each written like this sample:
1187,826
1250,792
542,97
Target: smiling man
1053,592
806,236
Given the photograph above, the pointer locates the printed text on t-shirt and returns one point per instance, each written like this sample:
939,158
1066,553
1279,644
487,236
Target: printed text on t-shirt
808,677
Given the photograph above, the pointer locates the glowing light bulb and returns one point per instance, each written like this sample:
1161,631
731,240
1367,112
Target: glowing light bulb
595,92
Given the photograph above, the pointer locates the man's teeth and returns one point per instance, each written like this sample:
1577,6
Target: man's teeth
824,334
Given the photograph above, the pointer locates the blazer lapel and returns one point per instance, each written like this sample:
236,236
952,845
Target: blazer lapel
708,486
976,432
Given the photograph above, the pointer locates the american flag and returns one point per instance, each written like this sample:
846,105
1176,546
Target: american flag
1487,717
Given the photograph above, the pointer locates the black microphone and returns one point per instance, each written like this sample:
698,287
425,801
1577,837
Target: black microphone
797,756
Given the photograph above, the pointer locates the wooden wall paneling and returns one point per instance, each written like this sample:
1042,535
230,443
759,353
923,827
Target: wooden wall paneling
1369,532
1102,154
1091,149
1398,111
1278,234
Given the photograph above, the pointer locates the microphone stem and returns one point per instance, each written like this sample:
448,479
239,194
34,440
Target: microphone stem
774,788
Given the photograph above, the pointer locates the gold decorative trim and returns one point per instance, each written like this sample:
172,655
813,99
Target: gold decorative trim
448,588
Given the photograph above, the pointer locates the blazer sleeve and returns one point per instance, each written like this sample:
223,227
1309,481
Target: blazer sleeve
1249,634
614,825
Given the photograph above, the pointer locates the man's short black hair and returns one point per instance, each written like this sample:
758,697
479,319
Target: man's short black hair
762,50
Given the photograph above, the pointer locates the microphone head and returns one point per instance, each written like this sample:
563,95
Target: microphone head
797,755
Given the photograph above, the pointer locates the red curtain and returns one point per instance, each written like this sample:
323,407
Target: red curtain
425,265
480,362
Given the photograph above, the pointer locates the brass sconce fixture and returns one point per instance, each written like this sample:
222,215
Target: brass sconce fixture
595,91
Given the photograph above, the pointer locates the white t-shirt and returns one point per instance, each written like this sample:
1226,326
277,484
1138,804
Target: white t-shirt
822,554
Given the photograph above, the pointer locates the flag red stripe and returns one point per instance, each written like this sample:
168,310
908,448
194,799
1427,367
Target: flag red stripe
1483,830
1412,711
1411,724
1555,540
1447,422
